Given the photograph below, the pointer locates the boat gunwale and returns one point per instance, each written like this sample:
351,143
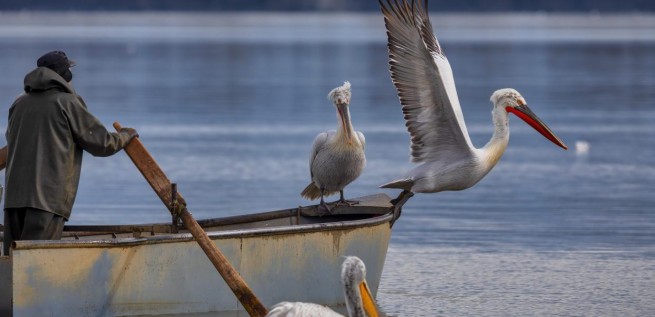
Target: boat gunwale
376,219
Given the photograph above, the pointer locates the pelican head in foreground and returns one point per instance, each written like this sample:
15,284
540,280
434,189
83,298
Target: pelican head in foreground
359,301
337,157
440,142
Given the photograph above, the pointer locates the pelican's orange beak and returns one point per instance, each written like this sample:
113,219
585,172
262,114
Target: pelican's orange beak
522,111
367,300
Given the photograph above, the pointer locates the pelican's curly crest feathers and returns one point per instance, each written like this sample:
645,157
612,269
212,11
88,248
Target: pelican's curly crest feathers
504,93
341,92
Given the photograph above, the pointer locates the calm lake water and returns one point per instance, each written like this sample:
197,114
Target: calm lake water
229,106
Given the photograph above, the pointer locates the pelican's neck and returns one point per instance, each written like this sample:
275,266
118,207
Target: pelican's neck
495,148
354,300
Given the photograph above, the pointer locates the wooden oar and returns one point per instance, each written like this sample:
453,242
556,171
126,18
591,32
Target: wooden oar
3,157
162,186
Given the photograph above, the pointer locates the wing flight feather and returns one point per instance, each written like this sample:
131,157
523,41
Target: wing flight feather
424,80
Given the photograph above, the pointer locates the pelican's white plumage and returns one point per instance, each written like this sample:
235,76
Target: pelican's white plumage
424,81
337,157
359,301
297,309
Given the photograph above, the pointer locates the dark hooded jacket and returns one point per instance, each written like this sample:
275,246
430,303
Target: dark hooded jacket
49,127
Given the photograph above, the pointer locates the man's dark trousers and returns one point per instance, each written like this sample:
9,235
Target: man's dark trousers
31,224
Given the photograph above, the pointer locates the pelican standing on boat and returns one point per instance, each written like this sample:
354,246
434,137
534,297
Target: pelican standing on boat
337,157
440,142
359,301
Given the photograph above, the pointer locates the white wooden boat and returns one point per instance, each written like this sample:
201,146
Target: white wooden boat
137,270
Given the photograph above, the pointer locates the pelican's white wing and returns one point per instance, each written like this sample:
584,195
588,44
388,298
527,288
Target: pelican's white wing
425,84
298,309
317,146
362,139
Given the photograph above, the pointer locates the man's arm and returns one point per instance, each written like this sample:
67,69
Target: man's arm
91,134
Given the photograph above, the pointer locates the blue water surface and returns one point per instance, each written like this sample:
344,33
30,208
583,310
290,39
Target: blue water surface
547,233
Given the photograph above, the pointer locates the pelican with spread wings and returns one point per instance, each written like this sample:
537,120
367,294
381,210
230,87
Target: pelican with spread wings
440,142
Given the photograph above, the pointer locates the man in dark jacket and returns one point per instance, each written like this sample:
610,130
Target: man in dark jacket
49,128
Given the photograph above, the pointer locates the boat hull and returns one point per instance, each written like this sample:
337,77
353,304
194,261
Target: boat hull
170,274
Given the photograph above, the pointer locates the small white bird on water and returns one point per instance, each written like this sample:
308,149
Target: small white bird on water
359,301
582,147
440,142
337,157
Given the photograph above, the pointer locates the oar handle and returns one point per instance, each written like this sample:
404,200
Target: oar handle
150,170
3,157
146,164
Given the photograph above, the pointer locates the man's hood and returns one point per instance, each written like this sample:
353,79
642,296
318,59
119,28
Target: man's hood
43,78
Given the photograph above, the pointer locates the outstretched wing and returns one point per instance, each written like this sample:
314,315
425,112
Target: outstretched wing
425,84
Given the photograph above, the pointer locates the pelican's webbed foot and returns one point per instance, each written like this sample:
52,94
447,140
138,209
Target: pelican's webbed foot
342,202
323,209
346,203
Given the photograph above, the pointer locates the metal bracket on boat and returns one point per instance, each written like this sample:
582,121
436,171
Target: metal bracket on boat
175,209
397,210
398,203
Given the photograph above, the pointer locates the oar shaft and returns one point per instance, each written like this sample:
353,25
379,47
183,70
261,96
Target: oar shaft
146,164
239,287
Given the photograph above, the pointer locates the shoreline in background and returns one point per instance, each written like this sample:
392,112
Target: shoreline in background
319,27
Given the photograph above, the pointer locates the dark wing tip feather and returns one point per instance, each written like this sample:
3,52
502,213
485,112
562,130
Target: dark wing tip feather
415,14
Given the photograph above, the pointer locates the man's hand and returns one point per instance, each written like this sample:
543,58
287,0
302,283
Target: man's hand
131,132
